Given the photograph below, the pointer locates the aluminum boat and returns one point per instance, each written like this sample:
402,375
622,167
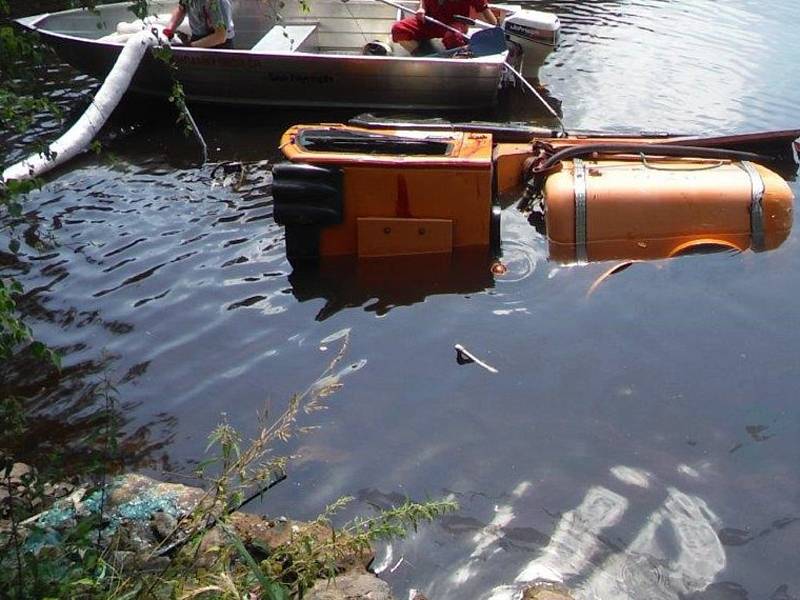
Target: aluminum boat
295,56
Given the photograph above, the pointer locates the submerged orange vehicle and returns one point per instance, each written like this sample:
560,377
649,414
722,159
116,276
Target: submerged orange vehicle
366,192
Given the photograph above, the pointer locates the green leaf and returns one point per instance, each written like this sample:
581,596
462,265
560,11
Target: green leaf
39,350
272,590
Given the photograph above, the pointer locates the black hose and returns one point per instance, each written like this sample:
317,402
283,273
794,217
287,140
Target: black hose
650,149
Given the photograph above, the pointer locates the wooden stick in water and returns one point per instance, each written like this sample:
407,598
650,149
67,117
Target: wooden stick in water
462,353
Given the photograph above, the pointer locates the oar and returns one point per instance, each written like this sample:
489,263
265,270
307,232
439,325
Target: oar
536,93
411,11
516,73
473,22
482,43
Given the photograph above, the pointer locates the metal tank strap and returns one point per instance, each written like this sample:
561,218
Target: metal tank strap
580,210
756,206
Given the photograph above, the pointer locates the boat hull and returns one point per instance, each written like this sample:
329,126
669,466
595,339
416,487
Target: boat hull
310,80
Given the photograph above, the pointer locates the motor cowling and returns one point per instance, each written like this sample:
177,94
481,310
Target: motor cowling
533,26
537,34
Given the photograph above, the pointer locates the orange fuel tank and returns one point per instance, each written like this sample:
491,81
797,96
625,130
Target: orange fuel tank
658,207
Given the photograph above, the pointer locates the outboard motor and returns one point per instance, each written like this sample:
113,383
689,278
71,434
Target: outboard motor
537,34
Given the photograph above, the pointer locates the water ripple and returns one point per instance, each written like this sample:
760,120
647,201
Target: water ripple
602,454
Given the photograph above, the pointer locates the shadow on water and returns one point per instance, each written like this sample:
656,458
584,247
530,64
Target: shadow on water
350,283
64,419
61,420
249,133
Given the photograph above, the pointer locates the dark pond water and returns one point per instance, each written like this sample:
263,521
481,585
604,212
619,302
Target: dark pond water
639,442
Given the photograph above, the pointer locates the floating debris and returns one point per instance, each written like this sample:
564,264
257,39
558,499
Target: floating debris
464,356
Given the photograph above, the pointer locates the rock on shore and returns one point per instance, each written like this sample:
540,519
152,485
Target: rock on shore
140,513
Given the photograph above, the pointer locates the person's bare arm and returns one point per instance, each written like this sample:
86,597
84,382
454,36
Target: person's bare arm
421,11
488,16
177,18
213,39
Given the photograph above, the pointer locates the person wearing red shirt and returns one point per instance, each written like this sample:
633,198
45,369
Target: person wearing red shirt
412,30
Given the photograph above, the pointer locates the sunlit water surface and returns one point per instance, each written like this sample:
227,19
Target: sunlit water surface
638,442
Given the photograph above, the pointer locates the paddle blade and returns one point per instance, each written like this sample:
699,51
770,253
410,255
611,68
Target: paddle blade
487,42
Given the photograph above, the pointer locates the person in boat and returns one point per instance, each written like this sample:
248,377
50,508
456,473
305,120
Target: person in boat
409,32
211,22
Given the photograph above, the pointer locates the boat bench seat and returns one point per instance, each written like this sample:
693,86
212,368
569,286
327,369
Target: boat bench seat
285,38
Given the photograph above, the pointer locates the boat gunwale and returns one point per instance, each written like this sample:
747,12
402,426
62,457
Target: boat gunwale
32,23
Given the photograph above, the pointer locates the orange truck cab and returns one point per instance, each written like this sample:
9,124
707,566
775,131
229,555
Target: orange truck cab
355,192
350,191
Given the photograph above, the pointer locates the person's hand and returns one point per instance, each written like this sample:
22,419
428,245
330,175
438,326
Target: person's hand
420,14
168,32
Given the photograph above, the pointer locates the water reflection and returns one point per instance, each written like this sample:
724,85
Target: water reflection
73,420
378,285
660,42
520,101
672,553
658,396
